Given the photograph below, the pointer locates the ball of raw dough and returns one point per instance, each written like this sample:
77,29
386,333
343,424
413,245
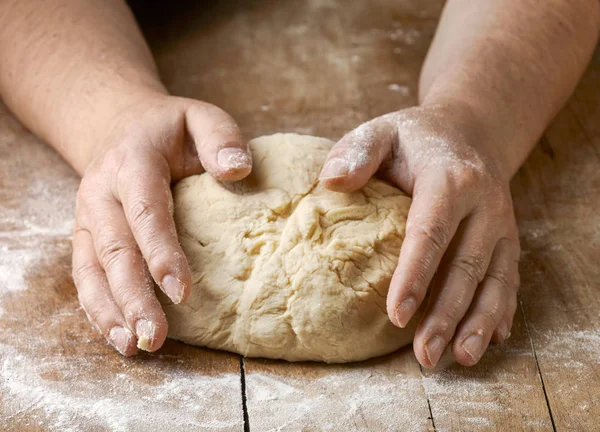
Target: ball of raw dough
283,268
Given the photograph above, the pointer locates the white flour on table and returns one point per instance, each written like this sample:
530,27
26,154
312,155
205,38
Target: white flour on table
174,400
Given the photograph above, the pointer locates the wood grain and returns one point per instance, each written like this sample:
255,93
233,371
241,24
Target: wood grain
503,392
557,196
376,395
322,68
319,67
56,372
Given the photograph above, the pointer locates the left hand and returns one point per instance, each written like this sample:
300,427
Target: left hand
461,240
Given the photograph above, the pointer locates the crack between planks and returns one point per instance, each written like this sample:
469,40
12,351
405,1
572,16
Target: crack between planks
428,402
537,365
244,400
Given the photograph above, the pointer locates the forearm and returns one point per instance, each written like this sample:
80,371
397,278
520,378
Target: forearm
514,63
69,67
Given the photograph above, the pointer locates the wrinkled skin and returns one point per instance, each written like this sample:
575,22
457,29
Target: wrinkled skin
461,241
81,77
461,221
125,236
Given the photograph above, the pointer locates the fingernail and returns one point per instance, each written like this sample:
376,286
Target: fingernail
173,288
145,332
335,168
120,338
435,348
473,345
233,158
405,311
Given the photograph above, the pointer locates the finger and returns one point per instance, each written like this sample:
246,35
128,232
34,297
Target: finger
148,205
502,332
358,155
221,148
95,296
128,277
489,307
431,224
462,269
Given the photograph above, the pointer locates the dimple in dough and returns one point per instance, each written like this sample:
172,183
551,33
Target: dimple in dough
284,268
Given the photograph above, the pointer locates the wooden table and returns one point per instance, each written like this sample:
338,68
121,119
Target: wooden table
319,67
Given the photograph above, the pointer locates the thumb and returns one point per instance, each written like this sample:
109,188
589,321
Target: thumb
358,155
222,150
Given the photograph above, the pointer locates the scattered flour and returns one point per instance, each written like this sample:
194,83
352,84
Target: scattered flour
405,36
402,89
466,398
307,130
566,343
49,384
358,399
297,30
37,209
173,400
361,144
13,268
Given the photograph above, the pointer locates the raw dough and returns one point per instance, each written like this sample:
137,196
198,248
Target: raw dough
283,268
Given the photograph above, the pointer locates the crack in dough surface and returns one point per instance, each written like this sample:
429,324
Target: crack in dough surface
283,268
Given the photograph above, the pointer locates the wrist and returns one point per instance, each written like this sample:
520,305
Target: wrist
89,128
487,137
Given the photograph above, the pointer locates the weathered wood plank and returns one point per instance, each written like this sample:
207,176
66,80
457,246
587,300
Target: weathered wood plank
56,372
502,392
323,67
376,395
557,195
319,67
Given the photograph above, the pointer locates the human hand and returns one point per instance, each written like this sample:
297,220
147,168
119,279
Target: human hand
461,240
124,232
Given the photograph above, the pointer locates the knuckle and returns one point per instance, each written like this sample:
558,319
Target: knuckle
133,301
417,280
83,202
157,259
94,311
84,273
141,213
226,125
437,233
503,277
468,175
446,318
473,267
490,318
114,251
501,204
130,304
111,160
505,205
223,126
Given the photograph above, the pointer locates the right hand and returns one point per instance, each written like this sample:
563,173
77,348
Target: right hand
125,238
461,244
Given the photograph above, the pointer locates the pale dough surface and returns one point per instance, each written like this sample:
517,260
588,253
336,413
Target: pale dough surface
283,268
